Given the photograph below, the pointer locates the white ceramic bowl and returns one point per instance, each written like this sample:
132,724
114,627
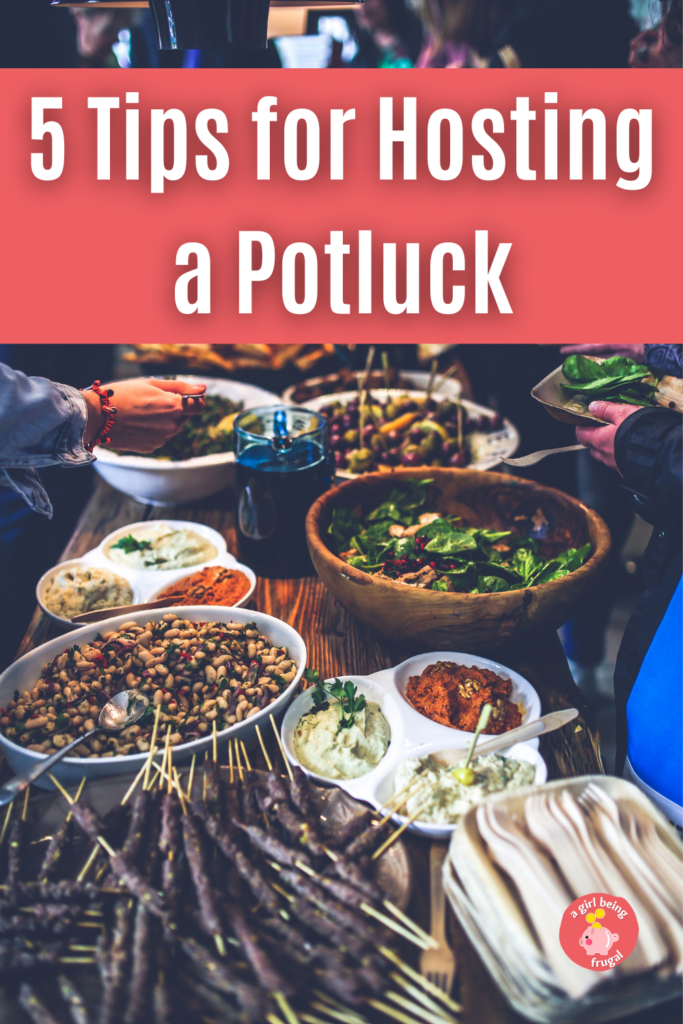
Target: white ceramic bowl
159,482
25,672
487,449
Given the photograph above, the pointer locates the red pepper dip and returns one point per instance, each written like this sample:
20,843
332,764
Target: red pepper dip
213,585
455,694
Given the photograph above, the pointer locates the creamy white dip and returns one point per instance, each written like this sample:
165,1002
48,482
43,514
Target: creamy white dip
324,748
84,589
161,547
443,799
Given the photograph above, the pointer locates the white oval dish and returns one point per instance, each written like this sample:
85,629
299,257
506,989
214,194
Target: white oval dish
147,583
487,449
24,673
160,482
411,731
419,379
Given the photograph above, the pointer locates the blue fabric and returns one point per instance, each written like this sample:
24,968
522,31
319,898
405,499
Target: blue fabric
655,708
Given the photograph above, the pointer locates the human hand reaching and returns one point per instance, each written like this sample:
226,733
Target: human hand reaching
634,352
600,440
148,412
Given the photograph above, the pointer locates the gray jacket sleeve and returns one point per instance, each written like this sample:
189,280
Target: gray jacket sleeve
41,424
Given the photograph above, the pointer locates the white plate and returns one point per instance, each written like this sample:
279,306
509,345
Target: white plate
487,449
159,482
24,673
411,731
418,378
146,583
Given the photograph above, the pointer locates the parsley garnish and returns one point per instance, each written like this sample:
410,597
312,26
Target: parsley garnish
345,693
130,544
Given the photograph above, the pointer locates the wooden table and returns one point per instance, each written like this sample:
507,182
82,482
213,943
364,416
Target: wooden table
338,644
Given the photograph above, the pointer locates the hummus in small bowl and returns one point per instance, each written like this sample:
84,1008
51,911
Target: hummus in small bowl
160,546
73,588
325,746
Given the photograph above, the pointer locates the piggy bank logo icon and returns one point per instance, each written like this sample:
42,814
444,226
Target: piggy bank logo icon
597,940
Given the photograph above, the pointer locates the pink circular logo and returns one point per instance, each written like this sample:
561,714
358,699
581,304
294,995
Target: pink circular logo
598,931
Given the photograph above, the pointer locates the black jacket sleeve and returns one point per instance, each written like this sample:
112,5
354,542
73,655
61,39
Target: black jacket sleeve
648,451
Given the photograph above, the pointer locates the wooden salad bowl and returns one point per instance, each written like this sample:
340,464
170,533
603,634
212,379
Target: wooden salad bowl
436,620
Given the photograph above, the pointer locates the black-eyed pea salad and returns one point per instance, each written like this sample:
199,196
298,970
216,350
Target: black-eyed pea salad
196,673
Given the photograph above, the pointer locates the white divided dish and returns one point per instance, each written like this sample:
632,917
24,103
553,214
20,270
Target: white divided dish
25,672
487,449
146,584
412,734
160,482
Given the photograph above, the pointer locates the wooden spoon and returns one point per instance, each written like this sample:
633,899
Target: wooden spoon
541,726
124,609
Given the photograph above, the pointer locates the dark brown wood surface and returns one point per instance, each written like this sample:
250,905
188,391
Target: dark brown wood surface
338,644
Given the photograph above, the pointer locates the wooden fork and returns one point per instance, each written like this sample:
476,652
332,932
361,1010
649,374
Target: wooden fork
438,965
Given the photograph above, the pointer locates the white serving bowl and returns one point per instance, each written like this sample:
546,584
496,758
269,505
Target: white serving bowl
24,673
384,789
159,482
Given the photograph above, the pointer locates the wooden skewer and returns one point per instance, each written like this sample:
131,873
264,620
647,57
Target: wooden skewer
430,383
394,836
89,863
410,790
181,795
397,912
232,767
215,741
333,1008
25,809
282,749
269,763
399,929
273,1018
135,781
286,1009
6,822
79,791
188,795
167,744
61,789
244,755
385,368
446,376
152,745
169,768
425,1014
415,993
424,983
239,763
398,1015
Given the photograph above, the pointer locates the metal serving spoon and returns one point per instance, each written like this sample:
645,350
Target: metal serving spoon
122,710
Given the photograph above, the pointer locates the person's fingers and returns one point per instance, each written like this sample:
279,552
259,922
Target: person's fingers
610,411
179,387
589,437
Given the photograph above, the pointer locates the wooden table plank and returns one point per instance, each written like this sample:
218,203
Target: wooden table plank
338,644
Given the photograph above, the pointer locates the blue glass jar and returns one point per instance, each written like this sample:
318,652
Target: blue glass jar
282,467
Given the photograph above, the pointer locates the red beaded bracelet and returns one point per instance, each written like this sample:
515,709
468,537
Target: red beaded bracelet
102,435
